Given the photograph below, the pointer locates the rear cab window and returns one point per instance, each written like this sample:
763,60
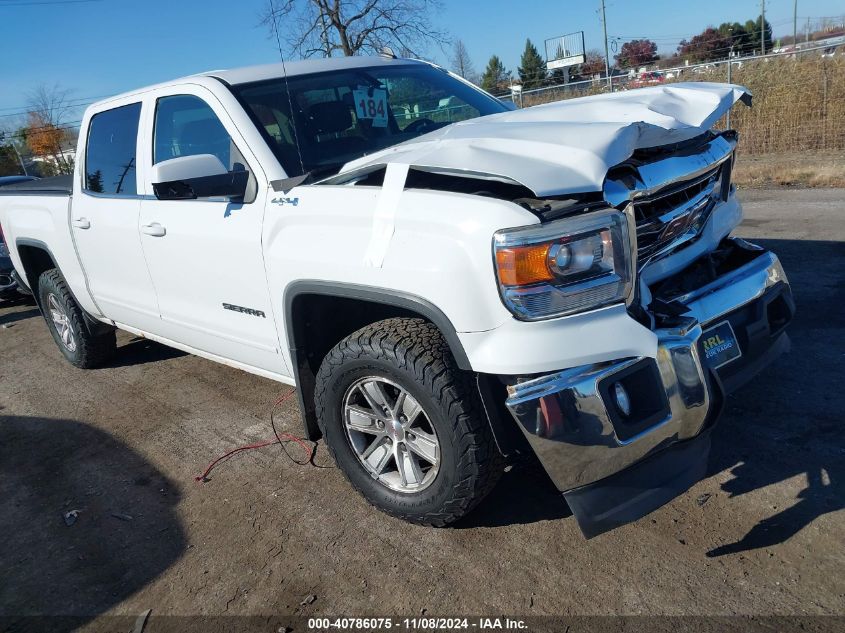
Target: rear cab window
110,159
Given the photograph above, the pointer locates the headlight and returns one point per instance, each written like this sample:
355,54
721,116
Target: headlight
567,266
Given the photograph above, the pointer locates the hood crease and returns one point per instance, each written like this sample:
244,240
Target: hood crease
566,146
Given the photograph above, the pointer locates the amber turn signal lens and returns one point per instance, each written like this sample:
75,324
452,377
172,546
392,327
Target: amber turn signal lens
523,265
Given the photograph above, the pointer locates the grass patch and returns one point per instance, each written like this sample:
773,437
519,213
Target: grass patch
799,105
817,169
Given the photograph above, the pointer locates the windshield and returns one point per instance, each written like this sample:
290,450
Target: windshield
342,115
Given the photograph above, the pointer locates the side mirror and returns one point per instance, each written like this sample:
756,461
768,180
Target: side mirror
200,176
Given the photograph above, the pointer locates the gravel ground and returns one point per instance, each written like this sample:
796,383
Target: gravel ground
763,534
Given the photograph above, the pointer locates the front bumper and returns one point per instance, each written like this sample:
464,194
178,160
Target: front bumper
578,430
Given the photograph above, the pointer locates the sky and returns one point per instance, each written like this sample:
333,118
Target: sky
96,48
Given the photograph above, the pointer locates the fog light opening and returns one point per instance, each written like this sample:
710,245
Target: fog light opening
622,399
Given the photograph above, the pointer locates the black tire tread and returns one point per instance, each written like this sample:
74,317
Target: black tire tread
418,346
92,351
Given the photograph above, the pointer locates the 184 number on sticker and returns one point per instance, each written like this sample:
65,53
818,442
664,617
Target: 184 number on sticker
372,105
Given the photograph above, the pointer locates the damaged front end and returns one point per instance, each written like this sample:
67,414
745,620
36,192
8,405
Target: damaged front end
623,437
629,264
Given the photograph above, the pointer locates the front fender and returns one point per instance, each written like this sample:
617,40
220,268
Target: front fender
439,251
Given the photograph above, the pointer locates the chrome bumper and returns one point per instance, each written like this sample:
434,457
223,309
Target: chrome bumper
570,418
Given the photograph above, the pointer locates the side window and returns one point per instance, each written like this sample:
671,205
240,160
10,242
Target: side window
110,152
186,126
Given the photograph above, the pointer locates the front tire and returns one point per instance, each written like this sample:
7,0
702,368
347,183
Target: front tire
405,424
67,325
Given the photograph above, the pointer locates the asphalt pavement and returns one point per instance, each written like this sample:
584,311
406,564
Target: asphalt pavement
763,534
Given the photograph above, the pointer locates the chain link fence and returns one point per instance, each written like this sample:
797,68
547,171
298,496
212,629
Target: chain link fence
799,97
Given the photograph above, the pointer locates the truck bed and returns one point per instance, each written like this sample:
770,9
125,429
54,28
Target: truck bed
36,215
55,186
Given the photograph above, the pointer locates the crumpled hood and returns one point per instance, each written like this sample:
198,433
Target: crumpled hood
566,146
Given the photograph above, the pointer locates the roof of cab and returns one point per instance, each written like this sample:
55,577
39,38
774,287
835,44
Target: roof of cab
249,74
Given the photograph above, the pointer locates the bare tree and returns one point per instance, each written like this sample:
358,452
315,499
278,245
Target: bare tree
353,27
461,62
46,132
50,103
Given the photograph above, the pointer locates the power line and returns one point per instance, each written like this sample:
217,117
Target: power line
71,104
674,38
658,40
43,129
67,102
28,110
19,3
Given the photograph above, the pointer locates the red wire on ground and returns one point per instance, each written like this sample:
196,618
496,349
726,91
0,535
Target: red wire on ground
309,450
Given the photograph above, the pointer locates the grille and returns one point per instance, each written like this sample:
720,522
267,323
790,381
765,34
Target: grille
673,194
674,213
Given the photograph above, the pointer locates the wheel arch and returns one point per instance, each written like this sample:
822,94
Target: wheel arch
312,327
37,258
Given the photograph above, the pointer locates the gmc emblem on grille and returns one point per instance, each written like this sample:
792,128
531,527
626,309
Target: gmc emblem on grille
681,224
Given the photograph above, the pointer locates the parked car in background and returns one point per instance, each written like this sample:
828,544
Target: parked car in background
652,78
9,288
448,289
706,69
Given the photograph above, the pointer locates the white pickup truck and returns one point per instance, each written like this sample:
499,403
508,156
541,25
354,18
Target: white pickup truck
449,283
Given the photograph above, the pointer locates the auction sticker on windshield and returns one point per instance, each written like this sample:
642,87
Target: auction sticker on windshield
371,103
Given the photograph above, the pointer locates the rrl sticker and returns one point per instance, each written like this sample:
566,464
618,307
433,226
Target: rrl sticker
720,345
371,104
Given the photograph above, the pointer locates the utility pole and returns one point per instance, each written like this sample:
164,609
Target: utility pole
795,24
807,40
606,51
126,169
763,25
20,160
728,115
730,67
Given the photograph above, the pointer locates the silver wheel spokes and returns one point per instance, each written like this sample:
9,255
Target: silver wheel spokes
62,323
391,434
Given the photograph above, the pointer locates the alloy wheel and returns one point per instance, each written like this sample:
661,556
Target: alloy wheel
391,434
62,323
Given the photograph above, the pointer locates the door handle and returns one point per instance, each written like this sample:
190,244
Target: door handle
81,223
155,229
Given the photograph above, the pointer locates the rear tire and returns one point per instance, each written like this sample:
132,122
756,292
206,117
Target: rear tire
66,323
426,454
